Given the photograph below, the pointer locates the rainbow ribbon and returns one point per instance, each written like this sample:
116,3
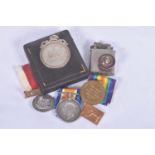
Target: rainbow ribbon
108,85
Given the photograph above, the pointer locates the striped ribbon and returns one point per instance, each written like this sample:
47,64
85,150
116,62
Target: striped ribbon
66,93
108,85
30,77
26,78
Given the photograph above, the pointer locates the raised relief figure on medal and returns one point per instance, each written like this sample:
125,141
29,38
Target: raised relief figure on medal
68,110
54,52
68,107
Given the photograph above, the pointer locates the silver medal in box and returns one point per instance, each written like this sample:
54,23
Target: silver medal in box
55,52
102,59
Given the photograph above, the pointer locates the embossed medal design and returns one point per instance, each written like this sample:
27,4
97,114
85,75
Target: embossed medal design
106,61
43,103
92,92
55,52
68,110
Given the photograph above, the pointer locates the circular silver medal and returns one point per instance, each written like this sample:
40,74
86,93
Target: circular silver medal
55,52
43,103
68,110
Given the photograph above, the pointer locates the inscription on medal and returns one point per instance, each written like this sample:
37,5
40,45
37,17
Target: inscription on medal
92,92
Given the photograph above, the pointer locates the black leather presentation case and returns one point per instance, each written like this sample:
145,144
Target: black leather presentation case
52,79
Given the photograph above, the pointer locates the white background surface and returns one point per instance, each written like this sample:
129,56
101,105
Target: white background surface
133,104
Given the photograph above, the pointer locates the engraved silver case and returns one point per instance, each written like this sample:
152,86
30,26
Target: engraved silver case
55,52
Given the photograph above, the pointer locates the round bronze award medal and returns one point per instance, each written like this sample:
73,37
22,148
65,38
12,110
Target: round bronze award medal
92,92
43,103
68,110
55,52
106,62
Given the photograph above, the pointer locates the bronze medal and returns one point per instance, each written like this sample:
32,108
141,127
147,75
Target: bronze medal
92,92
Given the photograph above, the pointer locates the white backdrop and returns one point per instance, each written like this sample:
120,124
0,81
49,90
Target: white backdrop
133,104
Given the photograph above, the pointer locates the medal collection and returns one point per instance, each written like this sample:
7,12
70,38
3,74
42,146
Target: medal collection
56,70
